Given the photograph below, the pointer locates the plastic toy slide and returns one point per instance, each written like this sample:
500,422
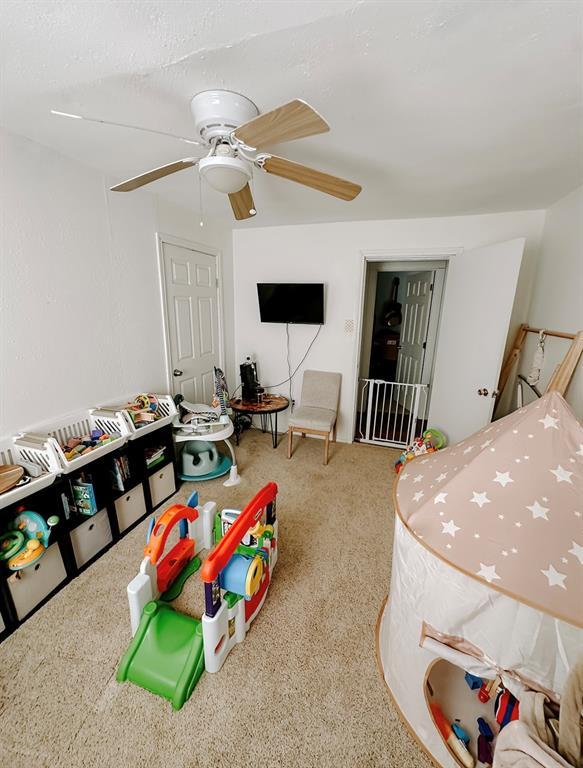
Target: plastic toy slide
166,655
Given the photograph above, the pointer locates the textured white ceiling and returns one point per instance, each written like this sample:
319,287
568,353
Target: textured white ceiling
436,108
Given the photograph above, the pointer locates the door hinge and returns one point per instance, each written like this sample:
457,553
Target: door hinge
431,287
424,345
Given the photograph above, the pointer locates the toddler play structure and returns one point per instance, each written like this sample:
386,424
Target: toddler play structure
170,650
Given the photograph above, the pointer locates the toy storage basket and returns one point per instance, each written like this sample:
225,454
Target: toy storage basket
166,408
13,451
81,424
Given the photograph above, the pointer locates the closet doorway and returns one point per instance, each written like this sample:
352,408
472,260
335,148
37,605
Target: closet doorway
400,325
191,303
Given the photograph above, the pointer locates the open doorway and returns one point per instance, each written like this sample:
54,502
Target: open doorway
400,325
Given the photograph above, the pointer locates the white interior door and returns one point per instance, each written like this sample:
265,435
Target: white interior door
191,307
416,306
479,296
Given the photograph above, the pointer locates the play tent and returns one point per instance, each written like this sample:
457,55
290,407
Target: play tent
487,572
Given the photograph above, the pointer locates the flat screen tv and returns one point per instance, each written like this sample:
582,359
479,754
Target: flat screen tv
291,303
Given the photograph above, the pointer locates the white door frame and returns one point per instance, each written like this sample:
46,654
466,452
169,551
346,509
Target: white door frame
400,254
162,238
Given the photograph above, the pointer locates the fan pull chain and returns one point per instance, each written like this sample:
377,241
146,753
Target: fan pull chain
252,210
201,222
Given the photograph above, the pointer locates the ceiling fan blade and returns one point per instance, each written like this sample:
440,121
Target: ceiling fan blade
154,175
127,125
242,203
293,120
309,177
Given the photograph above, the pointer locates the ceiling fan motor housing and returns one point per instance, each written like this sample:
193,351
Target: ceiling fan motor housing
217,113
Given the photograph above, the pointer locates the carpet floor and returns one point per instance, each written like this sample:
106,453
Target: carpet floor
303,689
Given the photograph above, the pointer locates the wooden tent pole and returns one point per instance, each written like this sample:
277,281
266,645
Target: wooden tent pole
513,356
558,334
563,373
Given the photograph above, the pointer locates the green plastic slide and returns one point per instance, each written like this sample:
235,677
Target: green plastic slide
166,656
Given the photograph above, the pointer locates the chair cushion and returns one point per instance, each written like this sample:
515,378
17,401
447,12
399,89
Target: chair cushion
312,418
321,389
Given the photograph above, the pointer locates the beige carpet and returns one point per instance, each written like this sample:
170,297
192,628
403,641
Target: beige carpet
302,690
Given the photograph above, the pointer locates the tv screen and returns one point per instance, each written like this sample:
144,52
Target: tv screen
291,303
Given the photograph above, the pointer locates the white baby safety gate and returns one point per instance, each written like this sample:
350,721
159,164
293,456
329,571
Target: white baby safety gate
391,413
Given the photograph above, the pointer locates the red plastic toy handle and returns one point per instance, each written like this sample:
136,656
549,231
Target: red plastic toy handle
222,553
165,523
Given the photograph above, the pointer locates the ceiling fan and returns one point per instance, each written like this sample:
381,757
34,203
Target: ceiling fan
234,133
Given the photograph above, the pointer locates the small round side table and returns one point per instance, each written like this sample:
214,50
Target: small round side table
267,409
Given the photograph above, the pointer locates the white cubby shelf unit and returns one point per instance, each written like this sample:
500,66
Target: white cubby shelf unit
13,450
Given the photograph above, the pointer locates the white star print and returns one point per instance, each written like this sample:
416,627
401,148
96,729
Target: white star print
501,517
480,499
538,511
404,475
514,551
418,478
450,528
580,451
577,513
440,498
577,550
441,477
562,475
418,496
469,449
486,444
555,578
488,572
505,553
549,421
503,478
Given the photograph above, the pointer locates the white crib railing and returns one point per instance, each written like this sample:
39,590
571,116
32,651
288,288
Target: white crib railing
391,413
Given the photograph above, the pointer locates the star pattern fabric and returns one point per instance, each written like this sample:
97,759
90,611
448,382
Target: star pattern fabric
506,506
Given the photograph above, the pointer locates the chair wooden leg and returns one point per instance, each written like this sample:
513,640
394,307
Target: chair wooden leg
334,433
303,434
290,434
326,447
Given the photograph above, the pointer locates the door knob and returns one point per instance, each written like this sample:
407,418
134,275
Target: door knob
483,392
177,372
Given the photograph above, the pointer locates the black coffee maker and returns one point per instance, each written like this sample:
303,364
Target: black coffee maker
249,380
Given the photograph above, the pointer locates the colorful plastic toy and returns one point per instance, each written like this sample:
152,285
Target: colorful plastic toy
169,650
457,746
432,440
27,540
485,729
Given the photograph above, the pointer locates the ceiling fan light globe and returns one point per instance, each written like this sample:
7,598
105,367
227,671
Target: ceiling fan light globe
225,174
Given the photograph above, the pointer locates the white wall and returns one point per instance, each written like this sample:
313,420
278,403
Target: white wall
557,296
80,309
331,253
